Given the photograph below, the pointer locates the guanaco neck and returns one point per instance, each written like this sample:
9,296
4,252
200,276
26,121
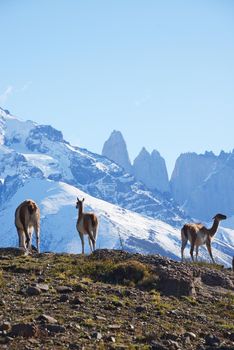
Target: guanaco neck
212,231
80,211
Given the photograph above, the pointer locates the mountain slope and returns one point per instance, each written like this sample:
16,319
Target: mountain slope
42,149
58,220
118,227
36,162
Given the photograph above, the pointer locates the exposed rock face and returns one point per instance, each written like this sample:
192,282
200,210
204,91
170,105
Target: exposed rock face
151,170
115,149
148,168
174,278
190,171
26,330
204,184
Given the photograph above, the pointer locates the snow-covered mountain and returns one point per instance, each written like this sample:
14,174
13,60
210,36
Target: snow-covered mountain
203,184
36,162
118,227
151,170
28,149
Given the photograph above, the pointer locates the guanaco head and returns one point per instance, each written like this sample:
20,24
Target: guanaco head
32,207
79,203
219,217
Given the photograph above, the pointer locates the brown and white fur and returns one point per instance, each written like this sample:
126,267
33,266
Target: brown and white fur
198,234
87,224
27,219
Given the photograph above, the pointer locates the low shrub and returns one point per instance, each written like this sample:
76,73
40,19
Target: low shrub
129,272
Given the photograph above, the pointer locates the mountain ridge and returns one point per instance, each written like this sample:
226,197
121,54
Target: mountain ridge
38,154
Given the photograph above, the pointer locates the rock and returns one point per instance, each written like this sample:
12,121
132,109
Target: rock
100,318
63,298
158,346
25,330
86,335
216,278
141,308
114,326
117,303
97,335
41,279
112,339
173,345
12,251
190,335
31,291
201,347
81,287
4,341
170,336
64,289
174,312
55,328
46,318
42,286
176,285
77,301
74,346
212,340
5,326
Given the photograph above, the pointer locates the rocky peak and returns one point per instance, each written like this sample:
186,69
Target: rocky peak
209,154
144,154
115,149
47,131
151,170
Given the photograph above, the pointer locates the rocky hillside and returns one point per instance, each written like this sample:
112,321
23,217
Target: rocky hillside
113,300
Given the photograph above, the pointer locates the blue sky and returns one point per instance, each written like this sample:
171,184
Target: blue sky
162,72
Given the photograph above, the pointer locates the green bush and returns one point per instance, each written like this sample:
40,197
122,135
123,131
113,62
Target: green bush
128,272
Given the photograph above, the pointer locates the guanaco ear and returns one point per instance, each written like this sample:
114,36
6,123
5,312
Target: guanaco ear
83,200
